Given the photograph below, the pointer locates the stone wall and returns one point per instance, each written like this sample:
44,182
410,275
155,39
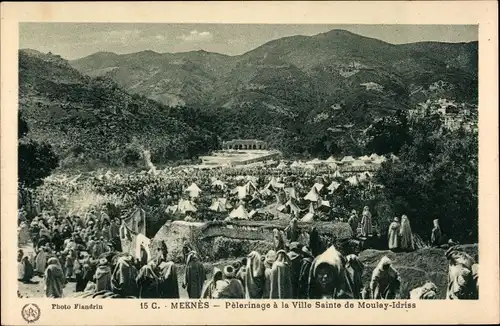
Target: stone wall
219,240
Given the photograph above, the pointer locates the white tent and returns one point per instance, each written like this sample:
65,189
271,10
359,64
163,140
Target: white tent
333,166
193,190
337,174
218,205
353,180
331,159
313,195
333,186
324,203
108,175
290,208
291,192
218,184
374,156
314,161
252,179
251,187
295,164
241,191
172,209
379,160
358,163
347,159
239,213
282,165
318,186
186,206
364,158
274,185
309,217
308,166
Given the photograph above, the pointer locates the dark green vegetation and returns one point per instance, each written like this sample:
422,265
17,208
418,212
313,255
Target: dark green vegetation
296,91
302,94
93,120
35,160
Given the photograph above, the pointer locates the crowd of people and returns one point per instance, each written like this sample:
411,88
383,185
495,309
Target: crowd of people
89,253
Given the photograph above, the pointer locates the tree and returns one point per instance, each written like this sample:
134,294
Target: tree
436,176
35,160
388,135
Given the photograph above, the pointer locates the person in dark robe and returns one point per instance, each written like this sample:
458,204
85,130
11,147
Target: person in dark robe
114,234
57,240
148,282
268,264
353,223
242,270
279,242
144,257
295,255
354,271
293,231
168,285
315,243
195,276
385,282
102,276
123,281
209,287
436,234
229,287
186,248
327,275
254,276
281,277
307,259
54,279
25,267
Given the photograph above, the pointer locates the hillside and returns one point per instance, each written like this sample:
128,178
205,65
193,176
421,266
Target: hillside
298,84
323,67
90,119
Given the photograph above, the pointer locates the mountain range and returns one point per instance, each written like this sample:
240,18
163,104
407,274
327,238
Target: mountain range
317,70
290,91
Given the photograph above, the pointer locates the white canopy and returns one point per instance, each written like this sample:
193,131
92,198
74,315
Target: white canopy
309,217
186,206
239,213
364,158
313,195
358,163
282,165
353,180
331,159
347,159
295,164
193,190
218,184
218,205
291,192
333,166
337,174
318,186
333,186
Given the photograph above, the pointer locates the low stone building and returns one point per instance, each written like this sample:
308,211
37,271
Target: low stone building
247,144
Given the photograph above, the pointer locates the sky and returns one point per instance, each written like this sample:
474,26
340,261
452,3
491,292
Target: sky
77,40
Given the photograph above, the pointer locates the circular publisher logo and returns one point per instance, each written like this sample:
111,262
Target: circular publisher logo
31,312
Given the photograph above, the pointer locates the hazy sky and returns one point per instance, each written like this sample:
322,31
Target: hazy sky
76,40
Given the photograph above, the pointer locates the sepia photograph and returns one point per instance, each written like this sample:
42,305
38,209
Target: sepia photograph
248,161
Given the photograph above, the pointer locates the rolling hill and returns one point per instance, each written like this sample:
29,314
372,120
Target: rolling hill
90,119
318,69
290,92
